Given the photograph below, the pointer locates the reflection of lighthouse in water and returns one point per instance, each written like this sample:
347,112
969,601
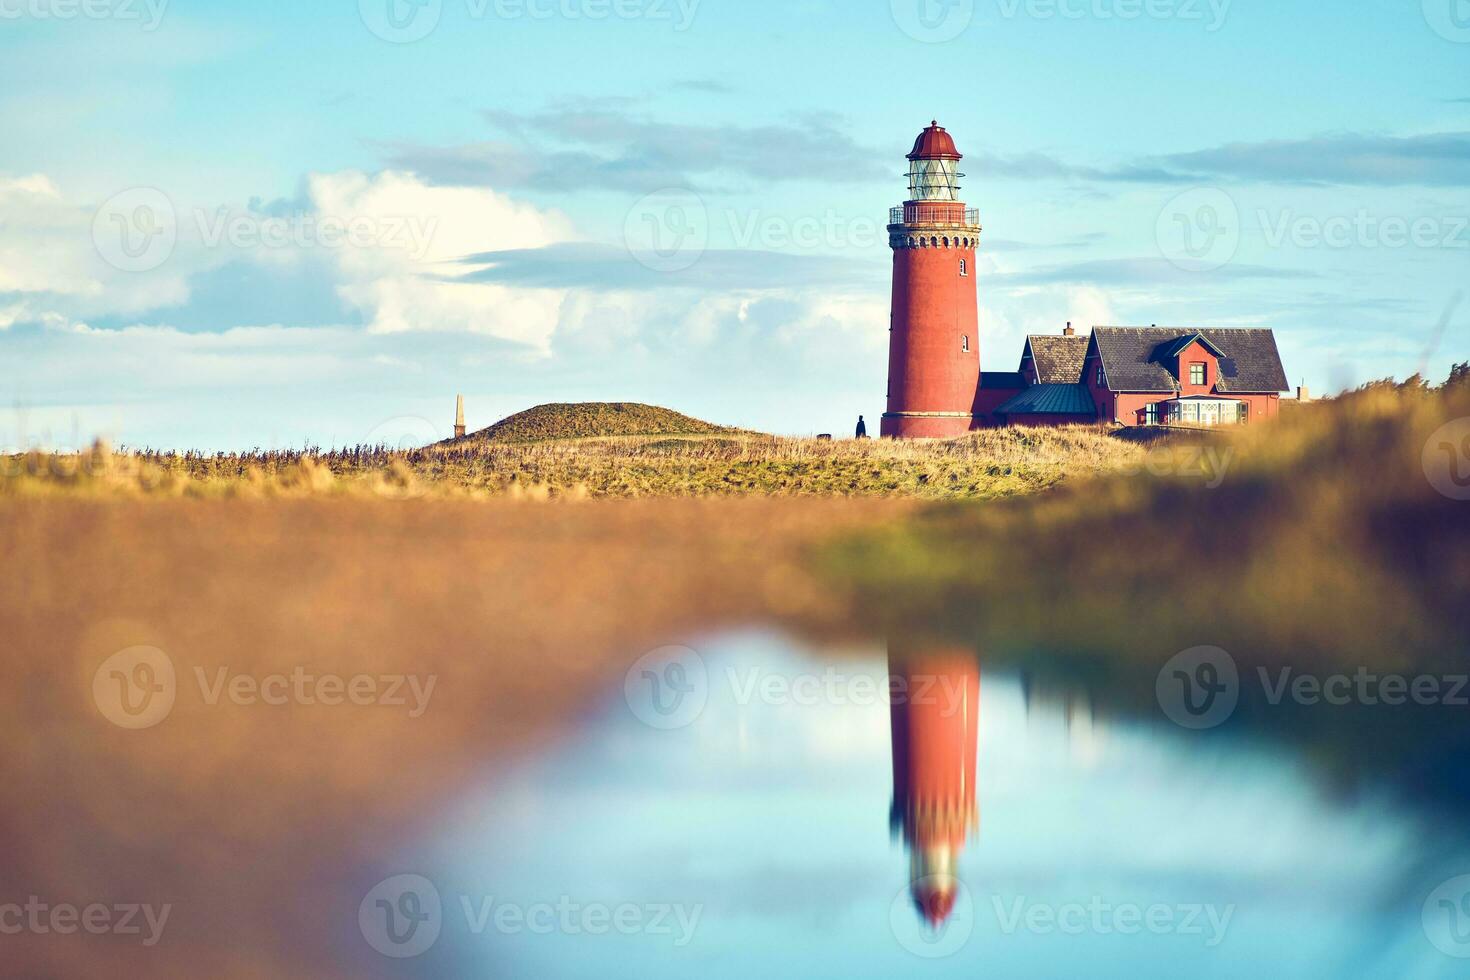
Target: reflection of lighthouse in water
934,712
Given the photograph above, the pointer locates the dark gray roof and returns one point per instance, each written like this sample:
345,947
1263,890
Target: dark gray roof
1058,360
1001,379
1051,400
1139,359
1179,346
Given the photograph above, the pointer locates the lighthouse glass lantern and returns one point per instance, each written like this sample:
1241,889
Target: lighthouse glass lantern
934,179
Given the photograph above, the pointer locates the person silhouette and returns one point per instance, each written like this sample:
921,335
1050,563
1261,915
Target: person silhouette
862,428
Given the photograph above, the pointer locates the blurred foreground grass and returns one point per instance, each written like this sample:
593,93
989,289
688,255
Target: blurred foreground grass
1338,534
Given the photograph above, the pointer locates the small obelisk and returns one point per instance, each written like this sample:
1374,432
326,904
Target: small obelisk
459,417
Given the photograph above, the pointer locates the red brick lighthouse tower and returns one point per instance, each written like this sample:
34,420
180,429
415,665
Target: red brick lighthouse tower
933,349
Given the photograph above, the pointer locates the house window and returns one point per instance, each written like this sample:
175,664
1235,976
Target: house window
1245,412
964,267
1100,376
1151,413
1197,374
1208,412
965,343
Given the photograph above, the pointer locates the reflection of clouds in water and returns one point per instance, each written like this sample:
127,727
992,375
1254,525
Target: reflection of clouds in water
779,713
816,894
774,736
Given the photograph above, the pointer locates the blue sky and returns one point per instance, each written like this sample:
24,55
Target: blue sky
228,225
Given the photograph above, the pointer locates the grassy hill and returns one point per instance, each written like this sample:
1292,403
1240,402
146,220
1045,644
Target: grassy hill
588,420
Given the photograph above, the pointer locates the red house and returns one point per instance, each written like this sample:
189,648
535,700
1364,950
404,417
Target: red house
1138,376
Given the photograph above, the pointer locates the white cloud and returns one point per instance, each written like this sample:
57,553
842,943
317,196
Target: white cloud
395,243
400,284
48,257
38,239
1008,316
172,350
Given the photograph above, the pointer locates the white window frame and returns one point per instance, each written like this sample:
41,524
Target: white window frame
964,269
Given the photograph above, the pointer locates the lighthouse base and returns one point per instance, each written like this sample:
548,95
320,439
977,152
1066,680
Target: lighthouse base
927,425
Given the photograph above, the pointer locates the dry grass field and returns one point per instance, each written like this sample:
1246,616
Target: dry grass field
987,464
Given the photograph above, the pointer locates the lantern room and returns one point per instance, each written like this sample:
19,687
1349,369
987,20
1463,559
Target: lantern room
934,166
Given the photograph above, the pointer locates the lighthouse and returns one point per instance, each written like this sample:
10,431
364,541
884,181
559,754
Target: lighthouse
935,715
934,346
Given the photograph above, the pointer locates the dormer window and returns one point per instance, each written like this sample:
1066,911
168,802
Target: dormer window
1197,373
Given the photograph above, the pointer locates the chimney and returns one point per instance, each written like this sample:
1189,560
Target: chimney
1303,393
459,417
1069,332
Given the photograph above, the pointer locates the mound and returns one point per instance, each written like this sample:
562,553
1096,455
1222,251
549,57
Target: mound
592,419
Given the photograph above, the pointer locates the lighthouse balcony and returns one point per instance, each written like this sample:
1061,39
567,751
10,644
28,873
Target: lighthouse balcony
934,214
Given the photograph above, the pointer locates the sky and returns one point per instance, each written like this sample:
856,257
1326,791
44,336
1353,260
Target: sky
276,224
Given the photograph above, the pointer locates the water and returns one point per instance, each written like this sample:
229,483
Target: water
751,829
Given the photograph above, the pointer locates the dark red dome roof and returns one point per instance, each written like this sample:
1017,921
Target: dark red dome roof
934,144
